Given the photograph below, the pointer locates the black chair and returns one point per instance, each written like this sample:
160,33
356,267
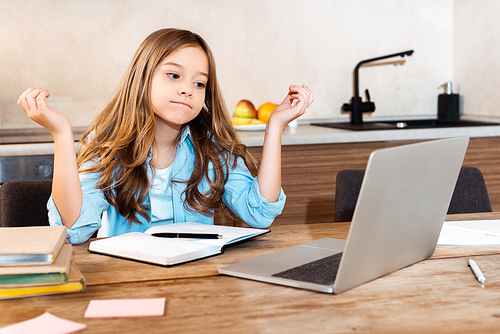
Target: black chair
24,203
470,194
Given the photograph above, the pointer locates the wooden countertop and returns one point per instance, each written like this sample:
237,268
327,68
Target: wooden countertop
436,295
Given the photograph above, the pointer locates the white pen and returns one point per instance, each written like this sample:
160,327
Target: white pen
480,277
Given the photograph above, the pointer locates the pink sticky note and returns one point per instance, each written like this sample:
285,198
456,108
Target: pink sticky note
122,308
46,323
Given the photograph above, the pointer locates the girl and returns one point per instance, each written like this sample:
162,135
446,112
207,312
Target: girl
163,150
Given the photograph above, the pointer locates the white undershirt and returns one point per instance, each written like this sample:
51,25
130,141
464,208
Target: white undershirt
160,196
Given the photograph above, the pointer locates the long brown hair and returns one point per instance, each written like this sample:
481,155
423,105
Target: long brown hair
118,141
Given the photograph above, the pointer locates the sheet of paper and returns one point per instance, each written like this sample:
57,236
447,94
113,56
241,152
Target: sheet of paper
470,233
46,323
124,308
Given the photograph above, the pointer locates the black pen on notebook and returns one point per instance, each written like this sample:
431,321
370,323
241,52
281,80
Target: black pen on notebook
187,235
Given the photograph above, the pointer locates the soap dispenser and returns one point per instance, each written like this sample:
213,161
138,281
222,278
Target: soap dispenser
448,104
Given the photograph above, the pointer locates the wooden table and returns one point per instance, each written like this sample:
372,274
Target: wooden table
437,295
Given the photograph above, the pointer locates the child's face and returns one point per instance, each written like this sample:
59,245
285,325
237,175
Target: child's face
178,87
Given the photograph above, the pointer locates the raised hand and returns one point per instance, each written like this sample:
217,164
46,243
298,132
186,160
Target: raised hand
287,111
32,102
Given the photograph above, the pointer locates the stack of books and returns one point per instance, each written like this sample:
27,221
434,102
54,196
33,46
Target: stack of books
36,260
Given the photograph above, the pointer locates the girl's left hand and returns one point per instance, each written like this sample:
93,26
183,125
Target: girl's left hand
285,112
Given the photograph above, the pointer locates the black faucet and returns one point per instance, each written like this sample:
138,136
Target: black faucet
357,107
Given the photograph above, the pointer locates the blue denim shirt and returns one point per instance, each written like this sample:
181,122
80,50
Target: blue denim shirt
241,195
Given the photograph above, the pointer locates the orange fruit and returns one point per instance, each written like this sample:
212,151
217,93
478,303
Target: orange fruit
265,110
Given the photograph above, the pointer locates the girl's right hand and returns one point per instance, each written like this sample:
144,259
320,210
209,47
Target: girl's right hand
32,102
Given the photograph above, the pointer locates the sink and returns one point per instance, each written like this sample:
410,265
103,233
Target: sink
405,124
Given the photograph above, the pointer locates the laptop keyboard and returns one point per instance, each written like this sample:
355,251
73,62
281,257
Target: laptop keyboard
322,271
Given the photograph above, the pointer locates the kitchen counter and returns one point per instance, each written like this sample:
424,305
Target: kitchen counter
309,134
304,134
31,141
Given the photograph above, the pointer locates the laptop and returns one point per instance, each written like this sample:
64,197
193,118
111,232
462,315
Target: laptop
402,204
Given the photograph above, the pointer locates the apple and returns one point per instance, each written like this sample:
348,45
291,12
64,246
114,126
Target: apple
245,109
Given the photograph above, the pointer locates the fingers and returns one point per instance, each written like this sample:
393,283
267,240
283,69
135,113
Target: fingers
22,102
32,101
40,99
302,93
303,97
294,105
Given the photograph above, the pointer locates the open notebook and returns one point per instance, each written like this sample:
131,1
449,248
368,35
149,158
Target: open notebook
401,207
172,250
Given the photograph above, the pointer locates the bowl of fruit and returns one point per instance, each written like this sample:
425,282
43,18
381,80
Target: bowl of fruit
248,118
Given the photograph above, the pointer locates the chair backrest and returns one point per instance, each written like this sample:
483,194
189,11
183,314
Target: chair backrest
470,194
347,187
24,203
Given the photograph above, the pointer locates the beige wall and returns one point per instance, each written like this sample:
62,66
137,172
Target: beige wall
80,49
476,55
